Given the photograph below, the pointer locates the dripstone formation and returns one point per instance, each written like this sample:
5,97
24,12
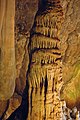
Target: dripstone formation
41,97
45,68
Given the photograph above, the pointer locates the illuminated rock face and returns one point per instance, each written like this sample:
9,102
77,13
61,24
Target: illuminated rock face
70,45
24,19
7,49
45,68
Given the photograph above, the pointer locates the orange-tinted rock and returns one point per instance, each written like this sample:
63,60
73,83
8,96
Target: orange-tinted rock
7,49
3,107
70,45
14,103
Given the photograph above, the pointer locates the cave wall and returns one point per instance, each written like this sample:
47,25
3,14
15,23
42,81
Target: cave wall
71,52
70,44
24,19
7,49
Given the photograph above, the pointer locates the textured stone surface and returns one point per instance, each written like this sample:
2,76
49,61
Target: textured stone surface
22,61
70,36
25,13
70,45
3,106
7,49
13,104
44,74
24,22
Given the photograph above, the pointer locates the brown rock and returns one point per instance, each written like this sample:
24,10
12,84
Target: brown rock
14,103
24,22
7,49
3,107
71,52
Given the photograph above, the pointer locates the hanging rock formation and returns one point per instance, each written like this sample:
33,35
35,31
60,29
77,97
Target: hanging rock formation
45,68
43,55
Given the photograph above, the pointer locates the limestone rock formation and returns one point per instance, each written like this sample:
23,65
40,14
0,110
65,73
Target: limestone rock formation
24,21
71,53
7,49
13,104
22,61
25,13
45,68
54,57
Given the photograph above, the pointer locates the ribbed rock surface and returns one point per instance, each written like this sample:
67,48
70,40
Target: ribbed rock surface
70,44
45,68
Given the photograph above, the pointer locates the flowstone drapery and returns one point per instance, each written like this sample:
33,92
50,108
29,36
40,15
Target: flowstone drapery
7,49
45,69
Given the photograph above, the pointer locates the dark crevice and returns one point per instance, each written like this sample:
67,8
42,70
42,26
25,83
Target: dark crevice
46,85
5,110
58,59
39,34
41,86
31,100
56,53
45,92
21,113
53,86
41,6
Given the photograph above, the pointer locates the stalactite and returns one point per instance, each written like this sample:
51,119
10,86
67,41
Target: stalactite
44,42
45,76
